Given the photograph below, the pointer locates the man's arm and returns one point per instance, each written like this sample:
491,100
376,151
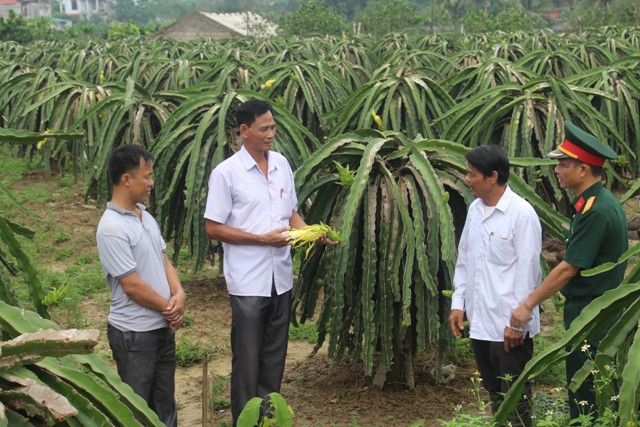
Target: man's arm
228,234
118,261
556,280
296,221
456,316
143,294
527,245
174,313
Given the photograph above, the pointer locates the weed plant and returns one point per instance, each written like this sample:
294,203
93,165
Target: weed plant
190,352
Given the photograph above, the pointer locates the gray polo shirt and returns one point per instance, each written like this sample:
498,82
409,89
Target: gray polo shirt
125,245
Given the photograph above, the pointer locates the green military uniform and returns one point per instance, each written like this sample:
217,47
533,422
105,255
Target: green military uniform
598,234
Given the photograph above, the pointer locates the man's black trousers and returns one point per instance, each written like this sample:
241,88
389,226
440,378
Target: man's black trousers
147,362
499,369
259,336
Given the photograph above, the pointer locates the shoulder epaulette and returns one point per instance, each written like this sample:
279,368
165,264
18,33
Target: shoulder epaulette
590,201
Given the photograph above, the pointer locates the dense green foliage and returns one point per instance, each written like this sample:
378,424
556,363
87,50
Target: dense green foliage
509,20
384,16
18,29
313,17
399,110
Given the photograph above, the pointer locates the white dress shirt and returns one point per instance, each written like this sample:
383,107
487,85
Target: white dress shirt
498,265
241,196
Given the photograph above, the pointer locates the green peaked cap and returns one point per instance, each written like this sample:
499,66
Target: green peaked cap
583,140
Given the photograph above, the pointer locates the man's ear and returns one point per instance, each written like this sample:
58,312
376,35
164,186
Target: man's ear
242,129
584,168
125,179
494,177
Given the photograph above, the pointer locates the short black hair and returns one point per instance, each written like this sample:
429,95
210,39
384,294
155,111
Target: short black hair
489,158
125,159
596,170
248,111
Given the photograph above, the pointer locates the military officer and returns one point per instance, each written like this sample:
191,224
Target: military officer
598,234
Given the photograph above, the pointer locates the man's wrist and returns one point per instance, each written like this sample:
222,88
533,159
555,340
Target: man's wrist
529,305
260,239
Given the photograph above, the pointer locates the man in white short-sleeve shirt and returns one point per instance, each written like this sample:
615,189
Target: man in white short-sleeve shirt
147,300
498,265
250,205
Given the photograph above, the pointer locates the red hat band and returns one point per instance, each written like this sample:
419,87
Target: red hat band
575,152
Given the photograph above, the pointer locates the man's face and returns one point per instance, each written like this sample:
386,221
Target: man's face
479,184
139,181
259,136
569,173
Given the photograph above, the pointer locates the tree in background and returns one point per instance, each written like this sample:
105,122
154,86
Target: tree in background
515,19
458,8
348,7
384,16
18,29
119,30
313,17
143,11
130,10
594,13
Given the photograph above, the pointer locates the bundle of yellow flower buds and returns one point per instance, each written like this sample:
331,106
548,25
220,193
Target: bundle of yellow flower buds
308,236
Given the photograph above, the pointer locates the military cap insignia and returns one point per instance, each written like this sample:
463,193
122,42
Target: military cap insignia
589,204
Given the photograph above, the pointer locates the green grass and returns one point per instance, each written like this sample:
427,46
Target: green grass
65,260
555,376
13,168
304,332
189,353
219,394
462,348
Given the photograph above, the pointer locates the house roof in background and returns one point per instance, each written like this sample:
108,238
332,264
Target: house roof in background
243,22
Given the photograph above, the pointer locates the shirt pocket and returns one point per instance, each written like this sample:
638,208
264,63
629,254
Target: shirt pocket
285,207
501,251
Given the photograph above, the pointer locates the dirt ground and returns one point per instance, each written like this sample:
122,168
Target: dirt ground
320,392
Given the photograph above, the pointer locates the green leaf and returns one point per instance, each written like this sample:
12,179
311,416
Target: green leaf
250,414
24,266
633,250
16,136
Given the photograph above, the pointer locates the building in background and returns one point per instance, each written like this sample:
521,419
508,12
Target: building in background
27,8
219,26
85,8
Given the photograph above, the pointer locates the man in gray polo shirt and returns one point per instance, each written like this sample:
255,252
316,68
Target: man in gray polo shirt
147,300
